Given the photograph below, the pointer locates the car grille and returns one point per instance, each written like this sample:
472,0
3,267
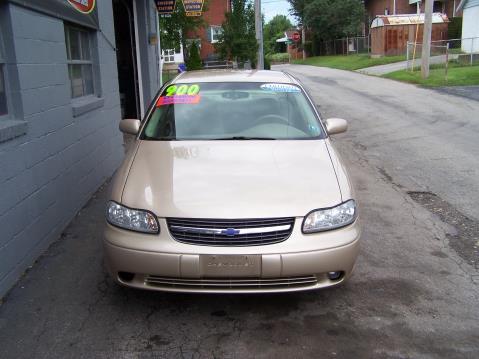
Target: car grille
230,232
233,283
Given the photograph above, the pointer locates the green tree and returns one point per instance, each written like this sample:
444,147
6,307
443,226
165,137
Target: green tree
333,19
175,28
274,30
238,41
194,61
297,9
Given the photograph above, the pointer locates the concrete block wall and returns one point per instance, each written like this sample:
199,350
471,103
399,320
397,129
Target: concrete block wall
49,173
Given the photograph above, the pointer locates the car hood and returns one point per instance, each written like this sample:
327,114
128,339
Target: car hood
231,179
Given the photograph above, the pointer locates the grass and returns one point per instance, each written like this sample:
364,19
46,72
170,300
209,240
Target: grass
457,75
350,62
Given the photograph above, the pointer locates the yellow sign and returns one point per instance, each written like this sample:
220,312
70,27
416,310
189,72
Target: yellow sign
193,7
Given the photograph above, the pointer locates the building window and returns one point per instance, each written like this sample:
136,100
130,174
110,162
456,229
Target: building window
79,59
216,31
169,55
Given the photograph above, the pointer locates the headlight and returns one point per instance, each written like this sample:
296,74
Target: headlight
331,218
132,219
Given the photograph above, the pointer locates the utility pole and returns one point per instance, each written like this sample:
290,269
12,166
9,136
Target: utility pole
259,34
426,39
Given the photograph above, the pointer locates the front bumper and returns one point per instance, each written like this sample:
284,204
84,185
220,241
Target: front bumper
302,262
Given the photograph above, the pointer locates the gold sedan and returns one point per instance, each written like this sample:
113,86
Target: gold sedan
232,185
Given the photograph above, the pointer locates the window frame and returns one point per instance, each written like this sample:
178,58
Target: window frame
212,33
82,62
170,55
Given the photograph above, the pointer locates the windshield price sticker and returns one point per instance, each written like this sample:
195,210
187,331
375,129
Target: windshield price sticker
280,88
180,94
183,90
178,99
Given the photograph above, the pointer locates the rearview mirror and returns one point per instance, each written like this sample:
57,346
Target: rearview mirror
336,125
130,126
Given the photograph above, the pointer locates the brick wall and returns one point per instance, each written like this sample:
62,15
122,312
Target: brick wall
215,15
49,173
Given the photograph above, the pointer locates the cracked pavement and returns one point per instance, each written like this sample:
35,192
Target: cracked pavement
412,295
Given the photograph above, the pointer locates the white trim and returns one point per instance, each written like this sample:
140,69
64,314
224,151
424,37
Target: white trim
138,61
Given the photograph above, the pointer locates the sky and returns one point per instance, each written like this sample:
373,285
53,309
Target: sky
271,8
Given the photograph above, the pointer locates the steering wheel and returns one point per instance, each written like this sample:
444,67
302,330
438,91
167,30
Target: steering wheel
273,119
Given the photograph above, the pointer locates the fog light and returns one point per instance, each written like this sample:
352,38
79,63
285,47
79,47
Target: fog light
334,275
126,276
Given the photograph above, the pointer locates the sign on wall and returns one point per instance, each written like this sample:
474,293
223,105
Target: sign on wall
81,12
193,7
165,7
84,6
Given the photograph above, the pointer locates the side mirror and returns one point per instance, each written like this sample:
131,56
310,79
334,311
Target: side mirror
336,125
130,126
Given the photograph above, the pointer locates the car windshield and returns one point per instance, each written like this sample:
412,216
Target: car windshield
232,111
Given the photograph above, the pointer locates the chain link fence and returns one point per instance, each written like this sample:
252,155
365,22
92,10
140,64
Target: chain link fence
459,52
345,46
445,54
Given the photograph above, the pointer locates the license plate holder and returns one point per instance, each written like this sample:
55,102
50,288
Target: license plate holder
221,266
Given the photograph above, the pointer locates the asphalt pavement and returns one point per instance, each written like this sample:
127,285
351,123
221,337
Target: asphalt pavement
413,157
471,92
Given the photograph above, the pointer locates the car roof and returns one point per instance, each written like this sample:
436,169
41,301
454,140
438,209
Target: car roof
234,76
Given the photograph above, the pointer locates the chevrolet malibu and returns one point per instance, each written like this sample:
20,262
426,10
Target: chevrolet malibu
232,185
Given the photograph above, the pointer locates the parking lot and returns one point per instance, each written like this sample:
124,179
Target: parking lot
414,293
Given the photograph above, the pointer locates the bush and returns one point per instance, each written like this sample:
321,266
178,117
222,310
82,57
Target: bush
194,60
281,57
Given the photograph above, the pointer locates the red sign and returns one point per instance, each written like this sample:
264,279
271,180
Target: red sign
165,7
296,36
84,6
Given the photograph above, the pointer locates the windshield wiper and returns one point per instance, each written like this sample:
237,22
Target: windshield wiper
242,138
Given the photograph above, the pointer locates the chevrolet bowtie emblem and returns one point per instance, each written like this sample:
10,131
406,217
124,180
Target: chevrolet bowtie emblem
230,232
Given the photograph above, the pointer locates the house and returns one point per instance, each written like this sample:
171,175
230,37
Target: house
69,71
214,16
173,57
398,7
205,37
391,33
470,25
